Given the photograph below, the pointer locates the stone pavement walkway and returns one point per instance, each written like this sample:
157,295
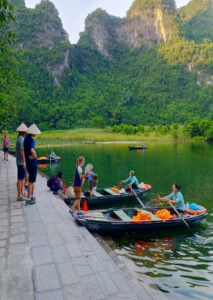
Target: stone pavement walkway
45,255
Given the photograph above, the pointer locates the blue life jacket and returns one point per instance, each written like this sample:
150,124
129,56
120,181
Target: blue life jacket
77,179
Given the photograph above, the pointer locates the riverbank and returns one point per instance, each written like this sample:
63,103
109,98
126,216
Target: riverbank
56,138
44,254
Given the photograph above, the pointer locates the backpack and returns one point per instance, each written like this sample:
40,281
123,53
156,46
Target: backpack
51,181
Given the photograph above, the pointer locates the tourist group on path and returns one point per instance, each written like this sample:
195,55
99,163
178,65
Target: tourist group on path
26,160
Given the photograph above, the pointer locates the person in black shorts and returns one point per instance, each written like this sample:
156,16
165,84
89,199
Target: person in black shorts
20,161
31,161
6,145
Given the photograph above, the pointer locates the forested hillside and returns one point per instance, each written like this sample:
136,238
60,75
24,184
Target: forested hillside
154,66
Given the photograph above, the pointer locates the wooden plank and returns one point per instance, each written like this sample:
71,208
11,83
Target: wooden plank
97,194
122,215
111,192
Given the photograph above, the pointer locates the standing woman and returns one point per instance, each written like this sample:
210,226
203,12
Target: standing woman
77,184
6,145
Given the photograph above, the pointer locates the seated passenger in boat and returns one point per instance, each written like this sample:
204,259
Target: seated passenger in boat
52,154
176,198
131,180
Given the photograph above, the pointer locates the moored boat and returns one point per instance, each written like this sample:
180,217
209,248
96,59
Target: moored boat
109,195
138,147
122,220
48,159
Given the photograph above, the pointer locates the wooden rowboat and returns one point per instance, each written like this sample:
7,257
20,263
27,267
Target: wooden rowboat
138,147
47,160
107,195
120,220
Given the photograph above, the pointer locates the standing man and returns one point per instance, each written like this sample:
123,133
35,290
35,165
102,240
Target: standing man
31,161
20,160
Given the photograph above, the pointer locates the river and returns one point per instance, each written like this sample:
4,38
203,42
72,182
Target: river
170,261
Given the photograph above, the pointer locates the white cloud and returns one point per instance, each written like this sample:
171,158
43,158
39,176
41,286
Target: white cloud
74,12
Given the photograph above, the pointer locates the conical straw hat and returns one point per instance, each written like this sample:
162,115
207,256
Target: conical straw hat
22,128
33,129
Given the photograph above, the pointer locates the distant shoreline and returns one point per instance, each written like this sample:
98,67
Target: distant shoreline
90,136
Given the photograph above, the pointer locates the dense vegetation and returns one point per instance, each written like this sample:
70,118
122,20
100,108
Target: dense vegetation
144,85
8,79
200,129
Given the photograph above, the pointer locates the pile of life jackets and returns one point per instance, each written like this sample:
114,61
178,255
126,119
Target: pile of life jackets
116,190
142,216
164,214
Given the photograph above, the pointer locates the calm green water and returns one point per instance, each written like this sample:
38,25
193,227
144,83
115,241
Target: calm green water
170,261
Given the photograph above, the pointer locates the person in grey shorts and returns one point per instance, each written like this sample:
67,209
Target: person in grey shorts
92,179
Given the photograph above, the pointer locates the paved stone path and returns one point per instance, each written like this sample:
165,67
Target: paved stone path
45,255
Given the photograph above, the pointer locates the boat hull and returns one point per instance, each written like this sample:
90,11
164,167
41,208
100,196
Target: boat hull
92,202
48,161
108,226
138,148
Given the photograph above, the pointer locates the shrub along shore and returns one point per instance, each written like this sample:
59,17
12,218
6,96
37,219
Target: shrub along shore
201,131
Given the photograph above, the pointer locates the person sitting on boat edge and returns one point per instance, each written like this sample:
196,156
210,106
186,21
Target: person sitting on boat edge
176,198
55,183
92,179
132,180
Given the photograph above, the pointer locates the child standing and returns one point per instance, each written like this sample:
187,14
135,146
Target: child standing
77,184
6,145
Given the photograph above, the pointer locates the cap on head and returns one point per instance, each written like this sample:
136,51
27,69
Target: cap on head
22,128
33,129
132,172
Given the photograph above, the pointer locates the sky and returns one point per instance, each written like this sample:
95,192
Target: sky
74,12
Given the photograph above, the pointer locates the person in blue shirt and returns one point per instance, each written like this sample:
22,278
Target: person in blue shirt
176,198
52,154
131,180
92,179
31,161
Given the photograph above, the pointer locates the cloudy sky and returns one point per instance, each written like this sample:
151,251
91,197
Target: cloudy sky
74,12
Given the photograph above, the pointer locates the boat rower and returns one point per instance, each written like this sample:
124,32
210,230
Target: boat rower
131,180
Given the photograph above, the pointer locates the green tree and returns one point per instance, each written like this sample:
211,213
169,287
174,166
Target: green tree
7,63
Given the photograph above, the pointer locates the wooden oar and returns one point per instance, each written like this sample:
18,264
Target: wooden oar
181,217
199,238
139,200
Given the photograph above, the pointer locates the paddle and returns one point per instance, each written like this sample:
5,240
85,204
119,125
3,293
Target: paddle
139,200
199,238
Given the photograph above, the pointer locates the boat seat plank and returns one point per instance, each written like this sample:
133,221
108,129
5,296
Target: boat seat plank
97,215
97,194
109,191
122,215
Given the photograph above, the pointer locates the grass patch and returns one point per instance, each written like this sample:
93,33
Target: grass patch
67,137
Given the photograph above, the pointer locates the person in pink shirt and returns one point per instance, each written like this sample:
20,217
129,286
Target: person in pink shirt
6,145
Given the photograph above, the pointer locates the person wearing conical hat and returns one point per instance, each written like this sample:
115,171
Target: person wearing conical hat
31,161
20,160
